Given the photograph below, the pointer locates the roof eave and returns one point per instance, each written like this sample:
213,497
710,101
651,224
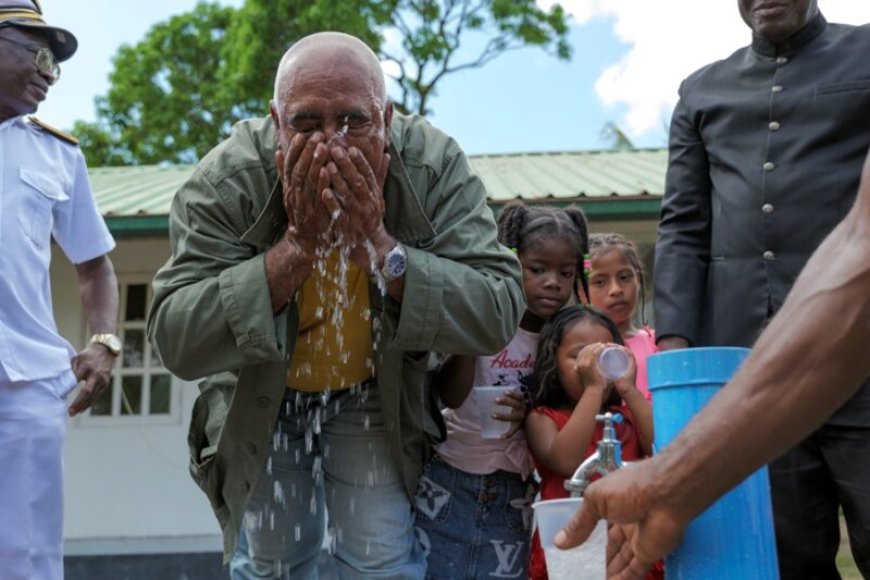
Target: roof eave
136,226
603,209
607,209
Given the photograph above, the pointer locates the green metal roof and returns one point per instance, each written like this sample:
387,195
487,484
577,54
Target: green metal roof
609,184
569,175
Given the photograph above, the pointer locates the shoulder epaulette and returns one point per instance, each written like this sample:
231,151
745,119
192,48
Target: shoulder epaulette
62,135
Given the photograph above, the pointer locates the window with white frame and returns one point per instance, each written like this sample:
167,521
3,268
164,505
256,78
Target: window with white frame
141,386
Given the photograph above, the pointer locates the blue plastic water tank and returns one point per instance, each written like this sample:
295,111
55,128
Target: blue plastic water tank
734,538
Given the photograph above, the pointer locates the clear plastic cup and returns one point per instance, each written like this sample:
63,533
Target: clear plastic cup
588,560
613,363
484,399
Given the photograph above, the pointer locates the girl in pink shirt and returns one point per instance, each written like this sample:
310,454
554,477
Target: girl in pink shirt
615,287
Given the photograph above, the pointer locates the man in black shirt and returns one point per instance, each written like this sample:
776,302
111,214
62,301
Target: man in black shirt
766,149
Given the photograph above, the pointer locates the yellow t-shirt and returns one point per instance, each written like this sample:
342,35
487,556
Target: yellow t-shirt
334,347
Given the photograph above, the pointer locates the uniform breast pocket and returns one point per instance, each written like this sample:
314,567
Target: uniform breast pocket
39,195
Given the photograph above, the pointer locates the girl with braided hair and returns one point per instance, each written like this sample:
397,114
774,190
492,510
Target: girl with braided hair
473,515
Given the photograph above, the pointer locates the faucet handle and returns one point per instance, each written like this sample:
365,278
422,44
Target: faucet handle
608,435
608,416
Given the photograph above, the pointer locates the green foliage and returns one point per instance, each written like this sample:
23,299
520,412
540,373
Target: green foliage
178,91
434,31
98,146
264,29
167,100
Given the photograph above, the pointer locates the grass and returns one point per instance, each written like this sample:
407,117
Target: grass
845,562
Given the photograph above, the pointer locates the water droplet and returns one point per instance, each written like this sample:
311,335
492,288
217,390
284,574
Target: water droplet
316,426
309,441
331,543
317,469
278,492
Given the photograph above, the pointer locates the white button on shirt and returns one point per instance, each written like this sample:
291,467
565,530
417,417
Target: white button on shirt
44,194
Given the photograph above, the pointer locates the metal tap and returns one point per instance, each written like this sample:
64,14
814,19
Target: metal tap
607,458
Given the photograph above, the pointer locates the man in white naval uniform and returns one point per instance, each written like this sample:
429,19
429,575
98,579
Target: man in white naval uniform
44,195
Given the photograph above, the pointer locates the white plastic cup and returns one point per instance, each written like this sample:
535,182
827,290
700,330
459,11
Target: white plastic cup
587,561
613,363
484,399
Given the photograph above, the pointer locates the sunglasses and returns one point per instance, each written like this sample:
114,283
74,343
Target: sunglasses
46,63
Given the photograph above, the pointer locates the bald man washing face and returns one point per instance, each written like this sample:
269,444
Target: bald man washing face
334,208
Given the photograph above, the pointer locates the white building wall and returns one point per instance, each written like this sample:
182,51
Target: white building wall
127,486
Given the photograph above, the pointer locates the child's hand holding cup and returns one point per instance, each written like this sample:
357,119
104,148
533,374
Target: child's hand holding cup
618,366
486,399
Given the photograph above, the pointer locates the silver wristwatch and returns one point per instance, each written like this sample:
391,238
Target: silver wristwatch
395,263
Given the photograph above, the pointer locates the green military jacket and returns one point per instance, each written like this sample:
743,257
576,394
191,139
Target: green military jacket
212,314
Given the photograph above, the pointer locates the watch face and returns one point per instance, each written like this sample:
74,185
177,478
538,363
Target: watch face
110,341
114,343
395,264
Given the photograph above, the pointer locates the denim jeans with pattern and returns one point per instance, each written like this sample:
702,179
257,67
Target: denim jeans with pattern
473,526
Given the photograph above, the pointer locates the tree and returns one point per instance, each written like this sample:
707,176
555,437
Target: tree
433,31
178,91
615,137
167,100
99,146
264,29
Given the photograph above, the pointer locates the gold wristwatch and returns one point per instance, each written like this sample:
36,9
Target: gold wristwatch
110,341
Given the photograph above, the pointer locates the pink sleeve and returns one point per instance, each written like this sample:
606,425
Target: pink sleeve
642,345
